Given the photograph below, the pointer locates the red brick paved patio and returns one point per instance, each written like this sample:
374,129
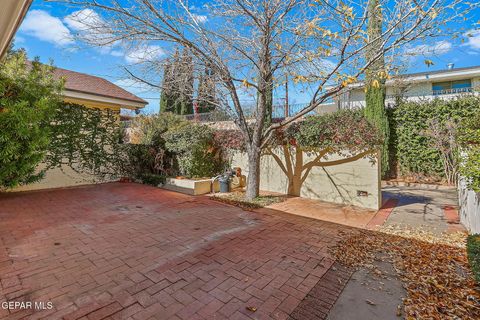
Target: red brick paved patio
121,251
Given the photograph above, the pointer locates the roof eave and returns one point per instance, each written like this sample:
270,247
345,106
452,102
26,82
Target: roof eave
122,103
448,74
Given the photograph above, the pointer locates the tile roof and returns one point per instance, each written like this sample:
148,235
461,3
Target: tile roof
81,82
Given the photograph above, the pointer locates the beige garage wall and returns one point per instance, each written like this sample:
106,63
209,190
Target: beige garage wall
338,184
61,178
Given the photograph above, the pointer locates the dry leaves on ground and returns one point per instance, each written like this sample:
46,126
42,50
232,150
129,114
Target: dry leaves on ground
433,269
237,198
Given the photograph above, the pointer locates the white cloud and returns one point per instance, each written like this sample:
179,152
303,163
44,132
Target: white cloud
83,20
116,53
441,47
199,18
92,29
19,39
473,39
142,90
144,53
41,25
325,64
133,86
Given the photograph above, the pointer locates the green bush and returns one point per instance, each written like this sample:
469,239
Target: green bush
151,128
473,253
414,151
149,155
340,131
469,140
29,96
169,145
152,179
197,154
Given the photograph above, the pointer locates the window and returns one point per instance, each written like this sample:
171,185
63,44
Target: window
449,87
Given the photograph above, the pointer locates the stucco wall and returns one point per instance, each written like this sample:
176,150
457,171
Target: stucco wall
60,178
476,83
469,202
338,184
327,108
419,89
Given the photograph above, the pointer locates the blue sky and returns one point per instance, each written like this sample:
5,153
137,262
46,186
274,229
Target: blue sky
43,31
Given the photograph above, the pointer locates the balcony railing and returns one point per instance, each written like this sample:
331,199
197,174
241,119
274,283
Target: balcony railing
278,112
447,93
452,91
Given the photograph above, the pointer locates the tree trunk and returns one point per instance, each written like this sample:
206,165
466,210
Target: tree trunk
264,95
253,180
295,176
294,186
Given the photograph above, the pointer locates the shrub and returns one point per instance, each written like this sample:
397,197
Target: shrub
149,155
169,145
152,179
415,151
469,140
473,253
229,139
29,96
149,129
341,131
197,154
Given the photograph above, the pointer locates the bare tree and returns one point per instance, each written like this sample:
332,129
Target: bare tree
254,44
442,137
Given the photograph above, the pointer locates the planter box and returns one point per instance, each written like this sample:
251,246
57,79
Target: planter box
191,186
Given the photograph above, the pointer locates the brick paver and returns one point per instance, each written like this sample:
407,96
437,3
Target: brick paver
129,251
317,304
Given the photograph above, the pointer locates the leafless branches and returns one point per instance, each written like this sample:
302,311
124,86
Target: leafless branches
251,45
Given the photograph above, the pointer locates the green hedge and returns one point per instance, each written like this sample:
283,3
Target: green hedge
473,253
413,152
469,140
153,179
172,146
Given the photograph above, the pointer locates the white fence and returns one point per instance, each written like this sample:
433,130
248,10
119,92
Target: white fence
469,202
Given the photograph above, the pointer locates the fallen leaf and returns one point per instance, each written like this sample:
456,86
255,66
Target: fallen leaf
433,268
370,302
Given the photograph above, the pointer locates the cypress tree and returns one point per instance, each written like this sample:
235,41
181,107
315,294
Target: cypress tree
165,98
170,88
186,79
206,91
375,80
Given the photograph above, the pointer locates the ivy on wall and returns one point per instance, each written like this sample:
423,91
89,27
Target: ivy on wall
87,140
